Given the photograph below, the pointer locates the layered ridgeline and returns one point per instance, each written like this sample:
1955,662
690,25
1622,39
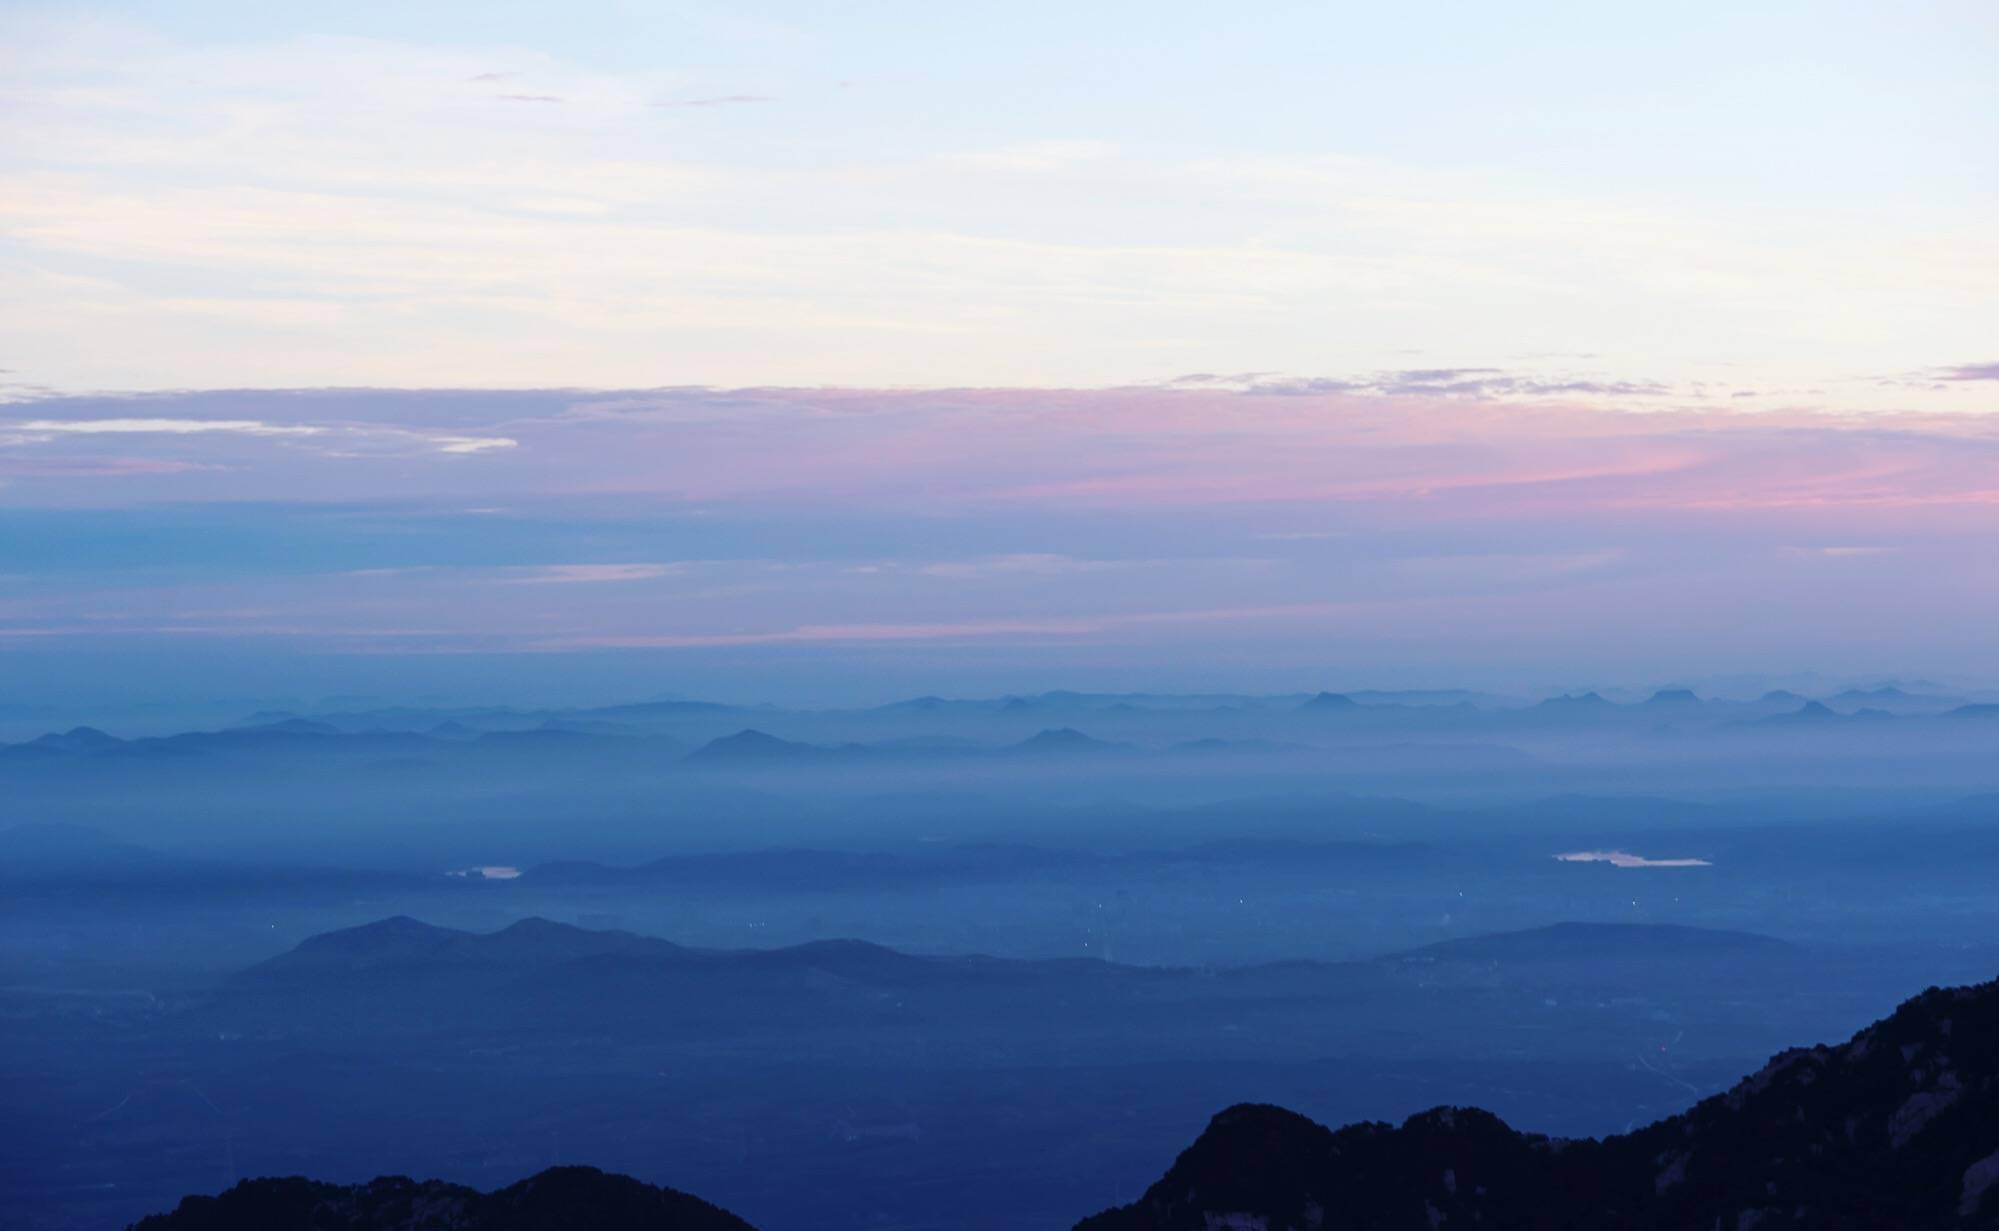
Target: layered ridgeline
559,1199
1898,1128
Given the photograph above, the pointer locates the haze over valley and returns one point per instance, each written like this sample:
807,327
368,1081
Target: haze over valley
773,616
901,954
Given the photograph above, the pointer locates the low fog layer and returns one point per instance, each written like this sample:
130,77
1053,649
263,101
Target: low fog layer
905,955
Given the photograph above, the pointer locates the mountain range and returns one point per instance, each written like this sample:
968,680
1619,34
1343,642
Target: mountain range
1054,721
1897,1129
558,1199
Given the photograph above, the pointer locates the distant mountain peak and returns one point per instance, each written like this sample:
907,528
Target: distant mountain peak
559,1199
752,745
1898,1127
1887,692
1811,713
1572,701
393,928
76,739
1674,697
1331,701
925,704
538,925
1062,740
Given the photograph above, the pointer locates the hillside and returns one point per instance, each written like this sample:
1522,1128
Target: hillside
559,1199
1897,1128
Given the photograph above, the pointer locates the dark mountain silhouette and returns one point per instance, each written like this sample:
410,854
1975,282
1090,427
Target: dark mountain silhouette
658,709
404,943
1811,713
76,739
916,705
1673,698
1330,702
1896,1129
1979,710
753,747
397,961
1577,703
292,735
1878,696
1063,741
559,1199
399,977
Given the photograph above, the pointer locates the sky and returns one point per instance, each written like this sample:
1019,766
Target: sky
834,351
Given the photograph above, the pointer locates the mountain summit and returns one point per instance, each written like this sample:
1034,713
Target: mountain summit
1897,1128
559,1199
1330,702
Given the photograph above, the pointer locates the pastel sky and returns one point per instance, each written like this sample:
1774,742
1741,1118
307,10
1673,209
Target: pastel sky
799,350
851,543
1791,201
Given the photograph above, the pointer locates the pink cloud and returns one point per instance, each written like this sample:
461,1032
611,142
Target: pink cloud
1133,449
1195,522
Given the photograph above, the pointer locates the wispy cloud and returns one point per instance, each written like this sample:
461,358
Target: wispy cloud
1106,521
589,574
336,439
100,467
48,428
1439,382
719,100
315,180
1625,859
1970,371
827,634
1023,564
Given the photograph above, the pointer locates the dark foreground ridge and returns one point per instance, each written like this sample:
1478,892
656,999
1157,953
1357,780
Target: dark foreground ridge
559,1199
1896,1129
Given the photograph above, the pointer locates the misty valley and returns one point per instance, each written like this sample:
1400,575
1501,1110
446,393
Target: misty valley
985,963
762,615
